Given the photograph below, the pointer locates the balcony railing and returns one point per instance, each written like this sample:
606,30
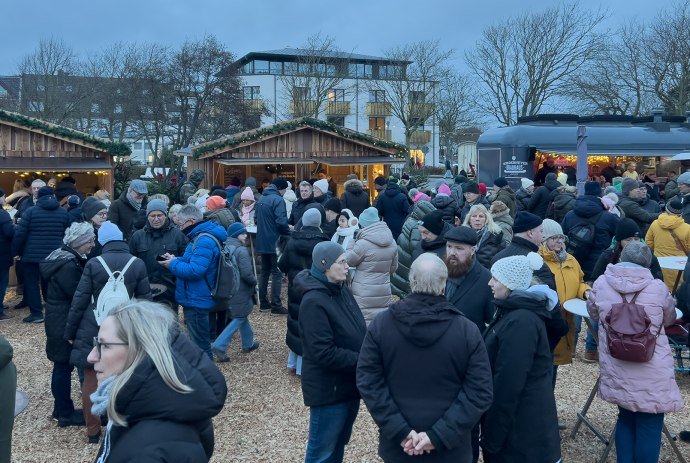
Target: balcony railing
382,134
379,109
420,137
420,110
303,107
255,105
338,108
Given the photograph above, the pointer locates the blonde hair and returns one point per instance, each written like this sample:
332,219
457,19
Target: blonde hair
146,327
101,195
160,196
490,224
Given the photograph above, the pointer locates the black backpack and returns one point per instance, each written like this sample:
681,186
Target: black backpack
227,274
581,237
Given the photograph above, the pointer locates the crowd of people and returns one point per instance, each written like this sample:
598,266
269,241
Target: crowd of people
441,306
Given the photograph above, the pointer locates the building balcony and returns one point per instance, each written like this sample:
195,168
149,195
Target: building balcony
304,107
382,134
338,108
379,109
420,137
255,105
420,110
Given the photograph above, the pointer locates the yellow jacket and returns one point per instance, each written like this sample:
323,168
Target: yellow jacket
661,242
569,285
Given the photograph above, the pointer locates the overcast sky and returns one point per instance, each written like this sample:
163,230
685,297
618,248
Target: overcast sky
361,26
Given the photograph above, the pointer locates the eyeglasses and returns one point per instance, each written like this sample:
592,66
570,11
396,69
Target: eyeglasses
99,345
102,214
557,238
156,216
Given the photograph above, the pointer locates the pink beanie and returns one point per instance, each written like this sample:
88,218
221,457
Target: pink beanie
444,189
247,194
420,197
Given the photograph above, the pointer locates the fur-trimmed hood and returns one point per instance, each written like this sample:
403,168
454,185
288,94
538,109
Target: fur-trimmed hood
498,209
354,186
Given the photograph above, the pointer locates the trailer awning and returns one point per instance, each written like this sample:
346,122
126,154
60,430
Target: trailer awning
53,164
243,162
354,160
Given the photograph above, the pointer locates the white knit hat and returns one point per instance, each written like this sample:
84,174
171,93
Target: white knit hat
551,228
526,183
322,185
515,272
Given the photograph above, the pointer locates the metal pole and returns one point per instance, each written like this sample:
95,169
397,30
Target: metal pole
582,172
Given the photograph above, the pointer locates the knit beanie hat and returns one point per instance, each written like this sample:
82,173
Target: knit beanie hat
471,187
460,179
562,178
45,191
73,201
380,182
592,189
551,228
628,185
251,181
684,178
156,205
109,232
280,183
139,186
443,189
369,216
322,185
78,234
525,221
627,228
526,183
482,188
222,193
247,194
675,206
334,205
462,234
91,207
420,197
213,203
500,182
433,222
515,272
325,254
551,176
236,229
311,218
638,253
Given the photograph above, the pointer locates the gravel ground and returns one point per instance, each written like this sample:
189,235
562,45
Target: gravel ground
264,419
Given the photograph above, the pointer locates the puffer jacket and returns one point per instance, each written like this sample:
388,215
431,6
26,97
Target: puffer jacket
522,199
541,198
501,215
407,242
297,257
354,197
447,205
271,220
606,258
223,217
374,254
507,196
81,324
298,208
662,243
635,210
563,202
40,230
569,285
62,270
122,213
393,207
242,302
6,236
648,387
165,425
437,246
196,269
488,245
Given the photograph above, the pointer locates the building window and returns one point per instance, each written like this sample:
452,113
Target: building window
301,94
261,67
377,96
377,123
95,109
251,92
417,96
336,94
389,71
3,92
118,109
337,120
248,68
69,88
275,67
137,145
360,70
290,68
36,106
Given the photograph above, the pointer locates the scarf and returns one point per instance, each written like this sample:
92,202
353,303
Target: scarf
133,202
101,397
480,237
561,255
247,213
344,234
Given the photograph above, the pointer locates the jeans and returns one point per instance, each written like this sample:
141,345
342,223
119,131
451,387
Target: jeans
638,436
590,342
269,267
330,427
217,321
33,283
295,362
246,332
4,281
196,321
61,387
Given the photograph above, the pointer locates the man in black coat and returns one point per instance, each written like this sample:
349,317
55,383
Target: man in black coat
354,197
393,208
547,168
543,195
432,229
306,197
125,210
432,405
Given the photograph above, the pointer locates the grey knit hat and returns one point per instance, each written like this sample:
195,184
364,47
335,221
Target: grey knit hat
156,205
325,254
638,253
78,234
311,218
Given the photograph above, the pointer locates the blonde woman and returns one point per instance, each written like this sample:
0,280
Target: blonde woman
158,389
489,235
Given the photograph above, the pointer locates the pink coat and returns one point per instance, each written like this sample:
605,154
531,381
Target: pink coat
648,387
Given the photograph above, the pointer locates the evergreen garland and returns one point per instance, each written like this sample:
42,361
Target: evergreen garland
112,148
257,134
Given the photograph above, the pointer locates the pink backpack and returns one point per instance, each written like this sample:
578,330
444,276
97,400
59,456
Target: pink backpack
628,332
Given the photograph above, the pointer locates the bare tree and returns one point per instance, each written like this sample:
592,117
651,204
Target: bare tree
525,61
456,112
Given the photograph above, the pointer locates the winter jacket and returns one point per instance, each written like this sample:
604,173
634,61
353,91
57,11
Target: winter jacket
606,258
542,197
196,269
662,243
289,198
242,302
648,387
297,257
686,206
40,231
472,296
165,425
488,245
447,205
466,208
149,243
374,254
563,202
332,329
393,207
271,220
223,217
446,393
123,214
634,210
501,215
62,271
671,190
586,207
569,285
298,208
457,194
81,323
521,425
507,196
437,246
231,191
6,235
354,197
522,199
407,241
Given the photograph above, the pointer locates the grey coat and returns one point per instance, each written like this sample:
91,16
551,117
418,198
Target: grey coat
242,302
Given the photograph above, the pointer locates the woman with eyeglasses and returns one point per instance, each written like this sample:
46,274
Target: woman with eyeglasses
332,329
158,390
95,213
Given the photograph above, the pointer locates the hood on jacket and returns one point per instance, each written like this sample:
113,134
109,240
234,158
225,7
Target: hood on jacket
48,202
393,189
587,206
536,301
290,196
378,234
627,279
56,260
552,184
270,190
669,221
421,209
354,187
422,318
209,227
442,201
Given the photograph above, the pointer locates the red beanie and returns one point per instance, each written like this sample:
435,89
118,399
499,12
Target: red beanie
482,188
214,203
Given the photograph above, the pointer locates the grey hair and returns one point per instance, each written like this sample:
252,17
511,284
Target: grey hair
38,181
428,275
160,196
174,209
490,224
305,183
146,327
189,212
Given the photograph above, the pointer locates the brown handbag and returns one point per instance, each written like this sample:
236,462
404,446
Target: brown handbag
628,332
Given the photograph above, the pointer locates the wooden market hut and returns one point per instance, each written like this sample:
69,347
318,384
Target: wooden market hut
295,149
31,148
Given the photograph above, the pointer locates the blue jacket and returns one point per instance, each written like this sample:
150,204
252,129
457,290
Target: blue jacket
393,207
271,220
40,230
196,269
